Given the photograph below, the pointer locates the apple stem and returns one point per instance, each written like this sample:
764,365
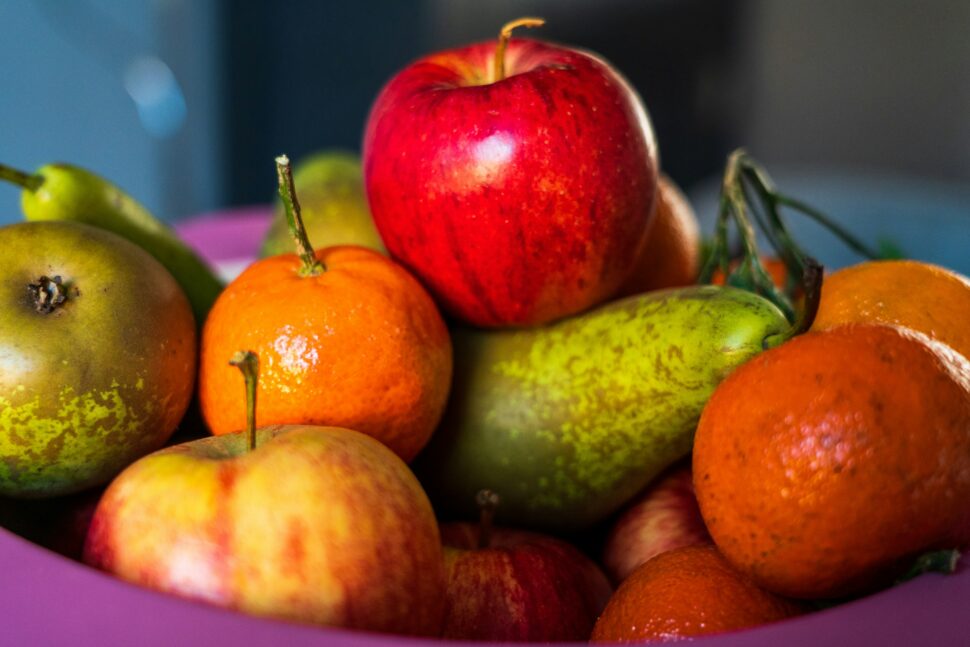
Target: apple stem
25,180
487,503
248,364
312,266
503,41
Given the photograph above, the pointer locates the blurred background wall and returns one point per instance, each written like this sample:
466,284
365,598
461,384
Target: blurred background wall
185,102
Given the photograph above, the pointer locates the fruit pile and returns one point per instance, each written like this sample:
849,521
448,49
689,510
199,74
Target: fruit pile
493,381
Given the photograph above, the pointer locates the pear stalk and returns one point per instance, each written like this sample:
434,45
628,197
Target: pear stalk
26,181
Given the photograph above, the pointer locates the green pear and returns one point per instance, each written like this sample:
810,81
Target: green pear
333,205
571,420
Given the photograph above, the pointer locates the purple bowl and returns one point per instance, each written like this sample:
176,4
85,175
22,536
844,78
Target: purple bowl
48,599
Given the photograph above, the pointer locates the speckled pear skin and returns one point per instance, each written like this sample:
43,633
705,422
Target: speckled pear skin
101,380
567,422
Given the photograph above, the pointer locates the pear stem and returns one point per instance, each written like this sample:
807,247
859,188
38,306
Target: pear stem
487,503
503,42
248,364
311,265
26,180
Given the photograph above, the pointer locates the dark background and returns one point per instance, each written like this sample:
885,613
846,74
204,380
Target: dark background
881,86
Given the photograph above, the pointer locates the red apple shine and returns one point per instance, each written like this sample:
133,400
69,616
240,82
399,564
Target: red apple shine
517,201
522,587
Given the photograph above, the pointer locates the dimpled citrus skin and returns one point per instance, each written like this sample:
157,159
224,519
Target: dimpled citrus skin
360,345
687,592
824,465
922,296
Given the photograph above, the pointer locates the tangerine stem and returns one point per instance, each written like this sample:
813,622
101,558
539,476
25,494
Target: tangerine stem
503,42
487,503
21,179
294,220
248,364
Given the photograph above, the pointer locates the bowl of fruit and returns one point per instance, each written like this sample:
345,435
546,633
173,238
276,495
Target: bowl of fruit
494,381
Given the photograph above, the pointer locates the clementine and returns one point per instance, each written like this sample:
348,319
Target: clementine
824,466
345,336
671,256
922,296
687,592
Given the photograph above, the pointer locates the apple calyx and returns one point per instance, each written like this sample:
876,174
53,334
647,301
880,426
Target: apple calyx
47,294
287,190
503,41
248,364
21,179
487,502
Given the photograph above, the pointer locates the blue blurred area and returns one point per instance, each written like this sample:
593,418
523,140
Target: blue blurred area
103,84
61,102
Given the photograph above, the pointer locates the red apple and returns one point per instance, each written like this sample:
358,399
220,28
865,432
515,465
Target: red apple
663,517
315,524
512,585
517,197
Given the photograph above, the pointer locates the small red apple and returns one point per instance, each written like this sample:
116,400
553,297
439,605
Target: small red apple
306,523
515,179
512,585
663,517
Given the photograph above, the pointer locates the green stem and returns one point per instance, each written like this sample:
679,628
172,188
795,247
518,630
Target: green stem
789,251
248,364
750,274
311,265
487,503
811,283
27,181
843,234
938,561
766,187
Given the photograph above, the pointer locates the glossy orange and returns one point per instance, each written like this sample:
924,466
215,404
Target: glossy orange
687,592
360,345
922,296
671,256
823,466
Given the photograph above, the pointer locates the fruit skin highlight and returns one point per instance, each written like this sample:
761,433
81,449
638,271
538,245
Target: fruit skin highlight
690,591
515,201
922,296
523,586
360,345
575,418
316,524
823,467
663,517
99,380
